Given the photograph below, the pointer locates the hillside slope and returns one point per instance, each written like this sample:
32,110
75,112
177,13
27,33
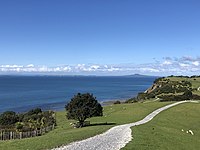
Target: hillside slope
173,88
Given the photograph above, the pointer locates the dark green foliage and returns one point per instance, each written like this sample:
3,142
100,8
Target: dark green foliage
195,76
8,118
33,114
151,95
167,88
183,76
83,106
187,95
158,79
132,100
142,96
117,102
34,111
34,119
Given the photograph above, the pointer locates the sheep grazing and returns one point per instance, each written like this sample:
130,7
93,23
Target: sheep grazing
182,130
190,131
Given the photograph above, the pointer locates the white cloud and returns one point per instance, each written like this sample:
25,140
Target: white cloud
196,63
95,67
167,66
184,65
105,66
149,70
166,62
11,66
111,69
30,65
67,68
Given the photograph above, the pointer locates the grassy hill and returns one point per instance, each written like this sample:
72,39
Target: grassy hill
64,133
164,132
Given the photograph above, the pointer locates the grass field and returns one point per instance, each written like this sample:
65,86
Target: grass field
164,132
64,133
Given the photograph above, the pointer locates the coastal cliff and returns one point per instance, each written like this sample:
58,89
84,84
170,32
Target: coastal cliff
172,88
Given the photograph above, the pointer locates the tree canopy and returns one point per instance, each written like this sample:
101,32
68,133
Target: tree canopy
83,106
8,118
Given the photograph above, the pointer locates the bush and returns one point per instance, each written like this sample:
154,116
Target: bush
132,100
158,79
34,111
187,95
117,102
34,119
8,118
142,96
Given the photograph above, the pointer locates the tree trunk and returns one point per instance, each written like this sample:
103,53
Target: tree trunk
81,122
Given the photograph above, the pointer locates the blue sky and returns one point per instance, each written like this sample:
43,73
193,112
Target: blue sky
100,37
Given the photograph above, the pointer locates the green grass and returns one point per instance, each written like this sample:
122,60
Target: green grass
64,133
195,83
164,131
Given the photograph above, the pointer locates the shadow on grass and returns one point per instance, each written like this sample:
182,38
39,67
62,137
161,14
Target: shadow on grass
101,123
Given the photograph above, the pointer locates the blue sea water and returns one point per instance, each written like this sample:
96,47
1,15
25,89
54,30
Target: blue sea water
22,93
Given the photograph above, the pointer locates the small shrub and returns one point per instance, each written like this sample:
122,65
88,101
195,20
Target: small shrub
117,102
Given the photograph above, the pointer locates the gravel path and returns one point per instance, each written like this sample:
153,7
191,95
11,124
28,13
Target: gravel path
116,137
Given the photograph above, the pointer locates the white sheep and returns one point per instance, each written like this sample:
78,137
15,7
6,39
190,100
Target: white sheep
190,131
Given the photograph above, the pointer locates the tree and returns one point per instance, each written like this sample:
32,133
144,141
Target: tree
8,118
83,106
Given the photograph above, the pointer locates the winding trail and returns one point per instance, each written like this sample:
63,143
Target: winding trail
116,137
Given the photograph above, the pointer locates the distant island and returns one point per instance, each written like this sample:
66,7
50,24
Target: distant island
139,75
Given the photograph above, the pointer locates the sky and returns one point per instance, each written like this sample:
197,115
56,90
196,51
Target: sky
100,37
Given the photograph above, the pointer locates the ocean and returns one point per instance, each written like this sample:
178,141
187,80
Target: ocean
22,93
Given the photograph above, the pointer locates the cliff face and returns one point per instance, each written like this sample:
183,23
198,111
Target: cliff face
152,88
158,84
